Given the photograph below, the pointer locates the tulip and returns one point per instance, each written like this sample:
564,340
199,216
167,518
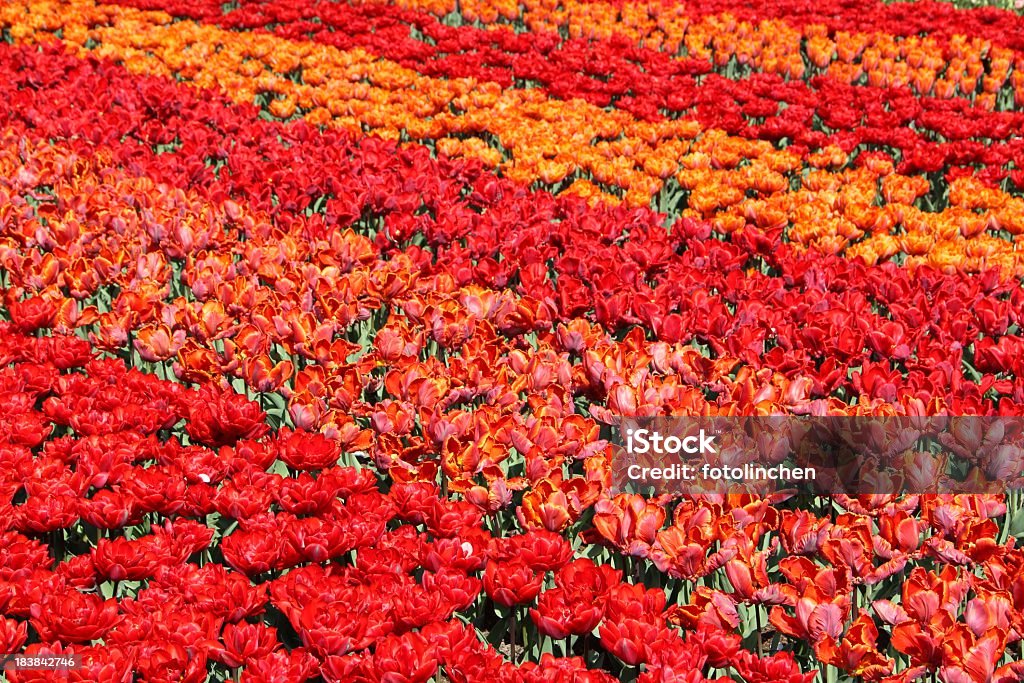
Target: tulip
629,639
560,613
294,665
243,642
251,553
629,523
219,418
562,670
106,663
12,634
119,559
74,617
158,344
408,658
511,583
34,313
306,451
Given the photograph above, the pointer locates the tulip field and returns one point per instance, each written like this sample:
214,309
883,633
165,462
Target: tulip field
316,315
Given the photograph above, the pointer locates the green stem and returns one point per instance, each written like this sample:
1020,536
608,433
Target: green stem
512,634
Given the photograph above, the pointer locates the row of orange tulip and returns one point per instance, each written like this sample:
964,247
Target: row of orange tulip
871,212
961,66
542,138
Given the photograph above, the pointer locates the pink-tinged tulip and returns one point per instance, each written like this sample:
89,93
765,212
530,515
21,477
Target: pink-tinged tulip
628,522
157,344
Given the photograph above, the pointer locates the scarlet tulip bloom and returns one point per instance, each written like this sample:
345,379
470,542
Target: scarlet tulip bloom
119,559
32,314
718,645
454,553
293,666
306,450
631,640
635,601
74,617
511,582
553,669
252,552
584,574
12,634
561,612
541,550
779,668
245,641
457,590
328,627
220,418
408,658
104,663
110,510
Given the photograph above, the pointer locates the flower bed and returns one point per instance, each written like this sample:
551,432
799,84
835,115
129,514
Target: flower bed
315,319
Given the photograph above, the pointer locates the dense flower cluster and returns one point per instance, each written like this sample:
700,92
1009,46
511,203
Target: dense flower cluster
313,319
188,538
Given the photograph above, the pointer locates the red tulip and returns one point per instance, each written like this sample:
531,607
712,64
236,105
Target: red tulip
560,613
551,669
169,662
778,668
307,450
280,666
221,418
253,552
120,559
105,663
74,617
512,582
32,314
408,658
245,641
541,550
630,640
12,635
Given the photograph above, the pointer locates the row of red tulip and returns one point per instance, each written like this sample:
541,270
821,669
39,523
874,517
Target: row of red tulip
322,519
382,586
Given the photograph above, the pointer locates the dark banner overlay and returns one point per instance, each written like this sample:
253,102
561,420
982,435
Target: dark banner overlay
817,455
